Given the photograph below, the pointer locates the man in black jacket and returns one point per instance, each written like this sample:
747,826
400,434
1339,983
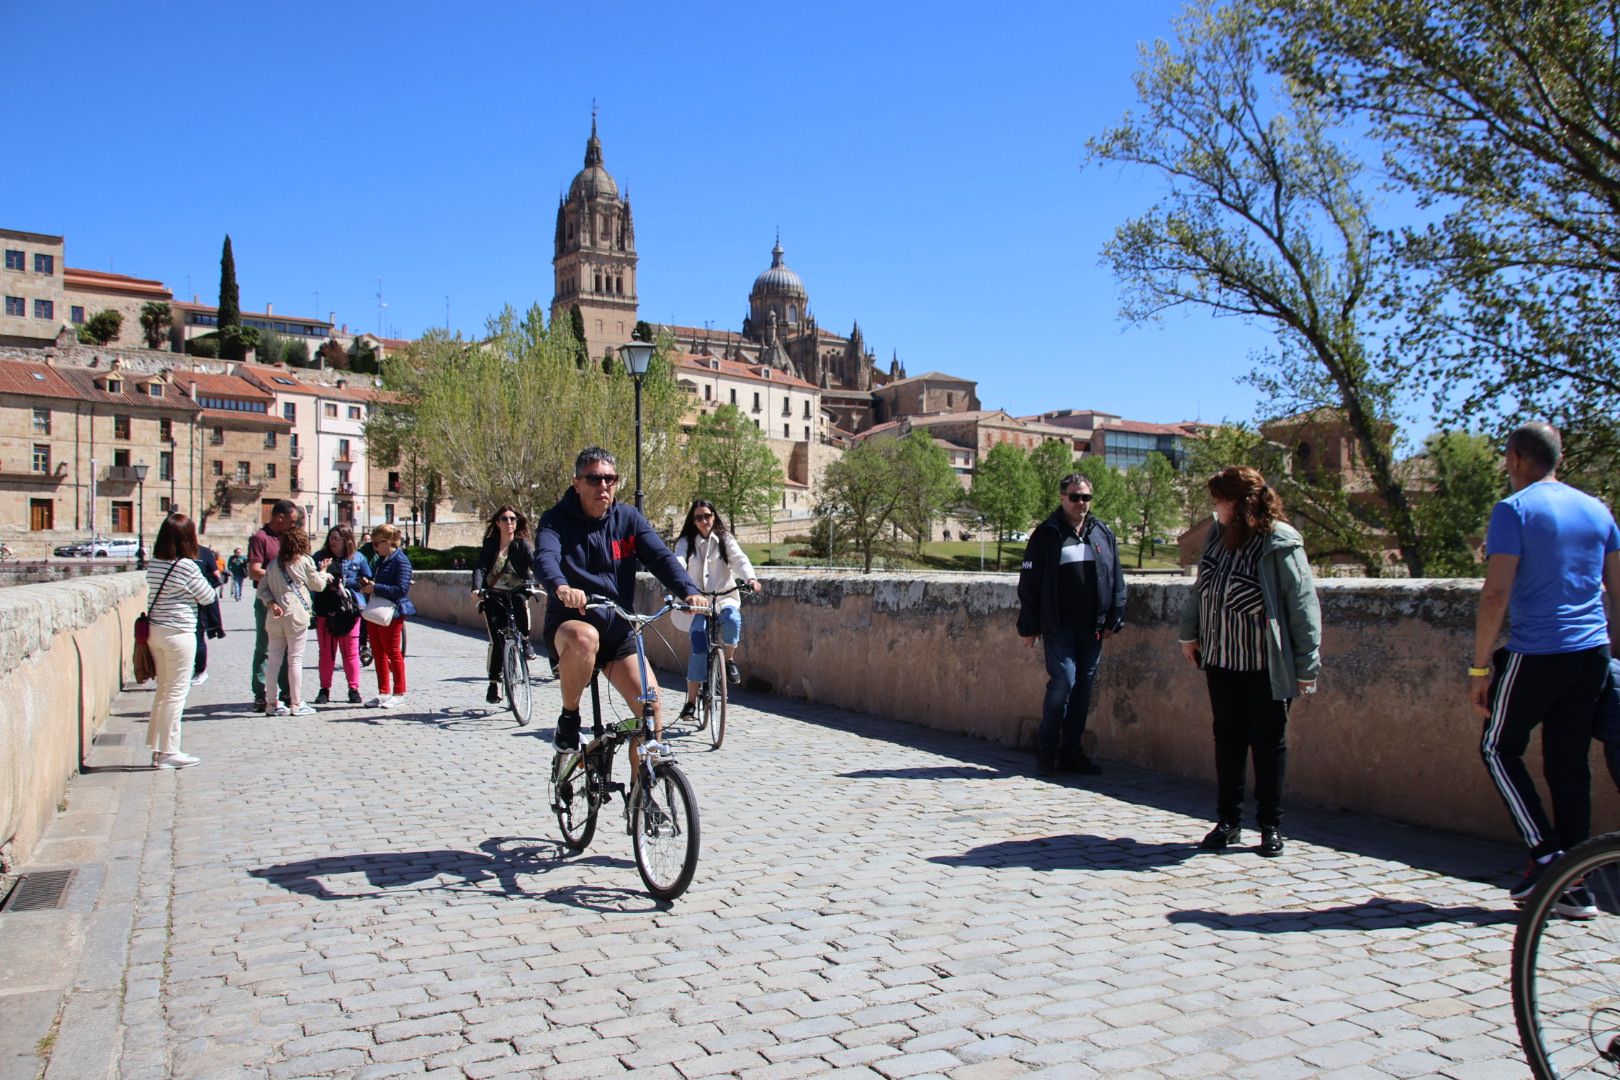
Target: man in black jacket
1071,595
588,543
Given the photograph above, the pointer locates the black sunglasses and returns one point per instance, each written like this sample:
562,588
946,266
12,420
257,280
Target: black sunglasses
507,517
702,517
603,479
1078,496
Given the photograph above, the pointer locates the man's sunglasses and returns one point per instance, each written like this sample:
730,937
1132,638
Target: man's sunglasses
605,479
1078,496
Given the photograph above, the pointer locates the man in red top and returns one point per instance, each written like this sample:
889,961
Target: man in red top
263,549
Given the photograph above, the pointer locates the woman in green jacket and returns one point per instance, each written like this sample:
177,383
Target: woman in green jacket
1253,624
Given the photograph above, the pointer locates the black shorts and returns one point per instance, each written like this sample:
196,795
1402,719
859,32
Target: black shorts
615,641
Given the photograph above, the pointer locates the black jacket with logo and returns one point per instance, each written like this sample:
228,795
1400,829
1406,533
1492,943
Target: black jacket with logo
1038,580
600,555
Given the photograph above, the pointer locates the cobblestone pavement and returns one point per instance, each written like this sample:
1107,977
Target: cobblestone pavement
370,894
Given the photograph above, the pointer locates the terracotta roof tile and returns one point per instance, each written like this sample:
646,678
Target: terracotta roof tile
736,370
72,276
33,380
228,385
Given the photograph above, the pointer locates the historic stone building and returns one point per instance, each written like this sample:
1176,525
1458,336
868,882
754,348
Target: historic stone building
595,259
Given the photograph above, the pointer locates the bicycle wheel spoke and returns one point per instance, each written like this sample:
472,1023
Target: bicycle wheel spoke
1566,978
665,833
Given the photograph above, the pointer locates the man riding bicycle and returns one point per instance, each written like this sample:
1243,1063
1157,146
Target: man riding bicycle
589,544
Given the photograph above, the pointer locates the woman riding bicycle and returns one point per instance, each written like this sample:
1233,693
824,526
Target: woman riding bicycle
712,557
505,567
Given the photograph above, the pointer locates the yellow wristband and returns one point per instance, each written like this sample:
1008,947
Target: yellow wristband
1478,672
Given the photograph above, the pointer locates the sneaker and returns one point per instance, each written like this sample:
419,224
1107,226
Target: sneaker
1271,842
688,711
567,737
1532,874
258,704
1576,903
1225,834
381,701
305,709
1080,764
324,697
175,760
733,676
281,709
198,680
354,695
396,701
493,694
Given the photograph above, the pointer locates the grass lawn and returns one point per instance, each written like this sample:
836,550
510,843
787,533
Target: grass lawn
945,555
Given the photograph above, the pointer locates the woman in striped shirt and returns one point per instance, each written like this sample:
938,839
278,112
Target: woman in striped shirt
176,587
1253,624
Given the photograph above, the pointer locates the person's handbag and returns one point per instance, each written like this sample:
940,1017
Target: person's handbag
144,663
344,611
379,611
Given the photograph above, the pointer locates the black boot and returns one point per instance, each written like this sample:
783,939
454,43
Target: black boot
493,694
324,697
1271,841
1225,834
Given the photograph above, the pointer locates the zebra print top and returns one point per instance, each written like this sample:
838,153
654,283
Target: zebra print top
1232,609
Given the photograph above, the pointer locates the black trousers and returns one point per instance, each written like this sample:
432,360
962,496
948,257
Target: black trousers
1559,693
1248,721
495,605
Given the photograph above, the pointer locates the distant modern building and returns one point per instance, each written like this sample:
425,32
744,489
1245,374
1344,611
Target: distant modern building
192,320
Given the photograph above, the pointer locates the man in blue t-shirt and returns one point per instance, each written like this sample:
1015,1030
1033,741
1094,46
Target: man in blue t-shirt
1551,551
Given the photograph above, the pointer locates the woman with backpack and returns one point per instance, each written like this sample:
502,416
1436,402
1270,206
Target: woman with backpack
287,590
337,611
714,560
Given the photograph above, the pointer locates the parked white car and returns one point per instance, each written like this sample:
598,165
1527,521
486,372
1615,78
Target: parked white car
100,547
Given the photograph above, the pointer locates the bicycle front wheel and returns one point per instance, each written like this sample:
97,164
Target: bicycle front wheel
664,831
715,692
573,799
1566,965
515,673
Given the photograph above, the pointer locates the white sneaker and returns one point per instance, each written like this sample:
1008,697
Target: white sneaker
396,701
382,701
305,709
280,709
200,679
175,760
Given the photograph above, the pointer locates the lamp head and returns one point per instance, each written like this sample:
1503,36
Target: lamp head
140,473
637,356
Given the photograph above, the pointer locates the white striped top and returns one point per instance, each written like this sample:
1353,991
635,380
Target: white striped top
176,606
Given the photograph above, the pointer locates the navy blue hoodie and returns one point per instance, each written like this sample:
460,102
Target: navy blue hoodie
600,556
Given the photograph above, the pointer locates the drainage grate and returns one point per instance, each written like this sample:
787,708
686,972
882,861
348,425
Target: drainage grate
108,738
39,892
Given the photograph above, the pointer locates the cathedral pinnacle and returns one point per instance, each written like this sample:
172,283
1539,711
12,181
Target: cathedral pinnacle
593,146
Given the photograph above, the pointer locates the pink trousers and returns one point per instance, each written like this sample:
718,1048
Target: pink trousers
330,644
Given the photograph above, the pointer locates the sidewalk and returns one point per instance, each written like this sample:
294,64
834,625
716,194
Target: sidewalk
367,893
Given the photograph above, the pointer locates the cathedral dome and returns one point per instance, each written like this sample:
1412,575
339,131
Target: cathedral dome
593,181
779,280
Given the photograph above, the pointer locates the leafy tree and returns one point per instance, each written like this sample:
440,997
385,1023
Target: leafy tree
235,341
102,328
1466,470
642,332
205,345
1263,220
296,354
928,488
1505,118
861,496
1004,491
1152,500
576,324
362,357
232,345
332,355
735,467
1052,461
156,319
272,348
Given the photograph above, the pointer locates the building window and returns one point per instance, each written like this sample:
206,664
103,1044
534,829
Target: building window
785,434
244,469
388,513
15,307
354,412
42,421
289,410
42,458
163,503
343,450
166,465
269,440
166,430
123,517
44,264
121,426
807,408
44,309
270,471
393,482
41,512
115,386
218,467
807,433
756,401
734,395
120,459
14,259
329,409
216,437
76,313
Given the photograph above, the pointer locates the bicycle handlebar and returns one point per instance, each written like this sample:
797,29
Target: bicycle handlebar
609,604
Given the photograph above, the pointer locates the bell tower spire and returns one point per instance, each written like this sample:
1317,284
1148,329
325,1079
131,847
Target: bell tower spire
594,264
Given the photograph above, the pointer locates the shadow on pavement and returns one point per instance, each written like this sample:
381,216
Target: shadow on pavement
1076,851
501,860
1378,913
927,772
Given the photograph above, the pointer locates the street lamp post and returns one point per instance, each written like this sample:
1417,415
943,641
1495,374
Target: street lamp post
140,513
637,358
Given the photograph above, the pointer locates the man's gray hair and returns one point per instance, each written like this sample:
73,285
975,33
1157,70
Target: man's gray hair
1539,444
590,456
1074,478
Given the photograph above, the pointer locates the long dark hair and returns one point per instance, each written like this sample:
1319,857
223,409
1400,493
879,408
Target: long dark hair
1255,507
495,523
176,538
689,530
344,533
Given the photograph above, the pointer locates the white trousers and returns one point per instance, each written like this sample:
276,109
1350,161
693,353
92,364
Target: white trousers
173,652
286,642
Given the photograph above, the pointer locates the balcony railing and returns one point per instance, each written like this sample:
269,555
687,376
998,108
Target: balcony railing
296,453
342,461
297,484
216,438
120,474
345,488
239,482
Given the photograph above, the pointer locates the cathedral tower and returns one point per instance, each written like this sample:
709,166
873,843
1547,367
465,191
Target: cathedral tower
779,292
595,260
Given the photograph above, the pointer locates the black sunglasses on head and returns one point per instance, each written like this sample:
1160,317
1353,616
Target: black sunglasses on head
1078,496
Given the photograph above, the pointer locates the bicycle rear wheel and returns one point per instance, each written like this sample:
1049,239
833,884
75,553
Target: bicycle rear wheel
574,799
1566,971
515,673
664,832
715,692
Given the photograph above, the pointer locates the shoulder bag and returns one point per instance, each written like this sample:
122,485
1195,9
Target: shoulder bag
143,662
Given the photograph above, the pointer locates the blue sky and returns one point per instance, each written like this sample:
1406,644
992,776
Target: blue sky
923,162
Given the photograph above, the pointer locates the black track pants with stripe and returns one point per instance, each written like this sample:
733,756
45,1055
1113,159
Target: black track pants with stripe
1559,693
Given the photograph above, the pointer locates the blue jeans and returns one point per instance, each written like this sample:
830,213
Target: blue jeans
730,619
1071,667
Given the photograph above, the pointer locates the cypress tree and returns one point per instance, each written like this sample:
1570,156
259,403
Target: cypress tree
230,306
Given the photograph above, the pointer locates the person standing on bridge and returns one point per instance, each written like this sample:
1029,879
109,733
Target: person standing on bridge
177,587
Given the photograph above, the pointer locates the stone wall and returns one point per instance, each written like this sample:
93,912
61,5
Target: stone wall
65,651
1390,734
